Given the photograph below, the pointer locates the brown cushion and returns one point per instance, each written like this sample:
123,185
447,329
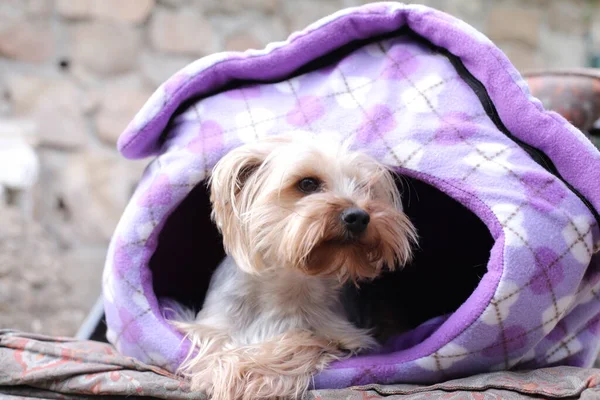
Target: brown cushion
573,93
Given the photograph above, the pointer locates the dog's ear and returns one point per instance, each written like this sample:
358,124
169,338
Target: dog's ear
230,174
227,182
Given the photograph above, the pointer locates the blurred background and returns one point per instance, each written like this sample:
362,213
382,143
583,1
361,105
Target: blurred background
74,72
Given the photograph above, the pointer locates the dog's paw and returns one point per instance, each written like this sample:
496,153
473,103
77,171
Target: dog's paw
357,341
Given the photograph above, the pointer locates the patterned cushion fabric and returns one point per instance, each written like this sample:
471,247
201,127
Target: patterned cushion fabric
428,95
35,366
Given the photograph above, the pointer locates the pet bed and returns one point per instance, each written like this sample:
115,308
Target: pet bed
504,194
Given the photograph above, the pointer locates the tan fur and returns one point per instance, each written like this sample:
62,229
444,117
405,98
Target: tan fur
278,368
272,316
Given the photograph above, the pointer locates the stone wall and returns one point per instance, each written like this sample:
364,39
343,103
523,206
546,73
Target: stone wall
80,69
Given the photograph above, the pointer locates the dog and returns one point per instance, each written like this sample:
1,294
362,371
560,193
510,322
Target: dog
300,218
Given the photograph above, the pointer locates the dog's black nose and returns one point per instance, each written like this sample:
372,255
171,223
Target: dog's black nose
356,220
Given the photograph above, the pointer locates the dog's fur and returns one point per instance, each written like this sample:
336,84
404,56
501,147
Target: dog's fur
273,316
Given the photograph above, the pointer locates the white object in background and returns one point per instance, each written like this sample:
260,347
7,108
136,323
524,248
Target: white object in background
19,163
19,167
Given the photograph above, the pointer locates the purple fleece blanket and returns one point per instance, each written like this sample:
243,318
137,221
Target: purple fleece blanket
410,100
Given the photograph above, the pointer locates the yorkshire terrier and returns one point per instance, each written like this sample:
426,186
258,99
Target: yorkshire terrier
300,217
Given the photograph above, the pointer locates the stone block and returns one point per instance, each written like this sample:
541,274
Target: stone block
54,104
97,185
239,6
521,56
133,11
26,40
300,14
242,41
472,12
514,24
173,3
105,48
129,11
249,30
26,8
74,9
118,106
181,32
156,68
562,51
568,17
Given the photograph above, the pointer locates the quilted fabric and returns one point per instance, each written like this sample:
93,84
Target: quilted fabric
401,100
35,366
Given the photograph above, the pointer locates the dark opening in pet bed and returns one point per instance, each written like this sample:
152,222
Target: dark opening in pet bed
454,248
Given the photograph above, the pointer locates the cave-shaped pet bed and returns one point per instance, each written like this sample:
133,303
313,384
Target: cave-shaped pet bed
504,194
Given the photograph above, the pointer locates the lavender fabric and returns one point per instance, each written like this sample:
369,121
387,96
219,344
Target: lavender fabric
403,102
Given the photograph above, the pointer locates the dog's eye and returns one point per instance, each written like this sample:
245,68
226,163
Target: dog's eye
309,185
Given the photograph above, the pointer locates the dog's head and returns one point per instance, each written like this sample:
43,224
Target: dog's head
309,204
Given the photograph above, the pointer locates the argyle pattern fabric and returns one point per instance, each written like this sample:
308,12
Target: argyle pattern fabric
402,101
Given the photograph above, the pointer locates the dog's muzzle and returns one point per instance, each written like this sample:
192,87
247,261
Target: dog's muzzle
355,220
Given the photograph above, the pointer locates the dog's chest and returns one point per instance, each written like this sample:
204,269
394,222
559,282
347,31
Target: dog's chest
278,304
295,292
256,308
